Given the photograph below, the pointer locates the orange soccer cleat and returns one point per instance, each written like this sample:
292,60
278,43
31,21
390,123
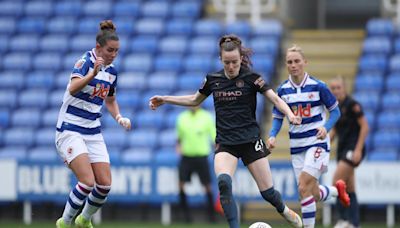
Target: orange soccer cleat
342,194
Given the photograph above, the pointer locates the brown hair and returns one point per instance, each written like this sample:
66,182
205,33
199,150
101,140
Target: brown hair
106,32
295,48
231,42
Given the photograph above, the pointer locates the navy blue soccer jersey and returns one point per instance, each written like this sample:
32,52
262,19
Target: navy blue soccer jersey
235,105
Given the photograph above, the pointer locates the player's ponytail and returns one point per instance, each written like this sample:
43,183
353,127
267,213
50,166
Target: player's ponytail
106,32
232,42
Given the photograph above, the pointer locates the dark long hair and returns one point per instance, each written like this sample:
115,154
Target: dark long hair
231,42
106,32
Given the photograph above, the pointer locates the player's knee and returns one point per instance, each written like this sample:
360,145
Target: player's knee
87,181
225,184
304,190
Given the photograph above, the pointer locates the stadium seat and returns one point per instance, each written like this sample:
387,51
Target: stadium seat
169,157
162,80
190,80
373,63
239,28
143,138
144,44
203,45
38,8
383,139
394,63
8,25
125,25
4,120
168,62
8,98
171,117
55,42
47,61
26,117
13,152
45,136
186,10
62,78
388,155
11,8
155,9
369,100
377,45
40,79
137,62
49,117
132,80
70,60
263,64
393,82
56,97
44,153
67,8
173,44
391,101
115,137
12,79
137,155
33,25
208,103
4,40
24,42
97,8
388,120
150,119
208,27
268,27
89,25
369,82
265,45
168,138
20,136
61,25
380,27
33,98
179,27
82,43
115,154
150,26
201,63
126,8
128,99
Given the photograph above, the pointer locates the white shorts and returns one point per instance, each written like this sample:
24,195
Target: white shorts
314,161
70,144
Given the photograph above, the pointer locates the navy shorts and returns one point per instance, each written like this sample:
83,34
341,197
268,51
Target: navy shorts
199,165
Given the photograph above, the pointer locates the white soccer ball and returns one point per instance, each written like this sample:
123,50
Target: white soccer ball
260,225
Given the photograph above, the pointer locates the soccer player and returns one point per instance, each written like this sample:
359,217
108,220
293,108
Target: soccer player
234,89
196,132
352,130
309,144
78,138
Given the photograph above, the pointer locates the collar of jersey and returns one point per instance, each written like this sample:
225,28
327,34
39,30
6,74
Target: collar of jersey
302,84
93,54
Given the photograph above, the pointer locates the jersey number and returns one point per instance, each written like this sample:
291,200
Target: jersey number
259,145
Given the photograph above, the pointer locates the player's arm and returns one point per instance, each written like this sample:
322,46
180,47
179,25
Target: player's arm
113,109
186,100
275,128
364,128
282,106
332,134
78,83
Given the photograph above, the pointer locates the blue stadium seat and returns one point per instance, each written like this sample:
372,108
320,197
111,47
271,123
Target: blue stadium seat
394,64
190,80
168,62
13,152
83,43
204,45
137,155
369,101
38,8
26,117
143,138
201,63
388,121
383,139
33,25
8,98
137,62
373,63
208,27
115,137
263,64
47,61
56,42
150,119
265,45
45,136
70,60
97,8
173,44
208,103
156,9
162,80
239,28
89,25
125,25
144,99
40,79
167,157
33,98
17,61
11,8
268,27
171,117
126,8
61,25
128,99
49,117
132,80
68,8
391,101
62,78
4,120
383,154
115,154
44,153
144,44
371,116
179,27
4,40
168,138
150,26
24,42
20,136
8,25
380,27
12,79
377,45
396,45
56,98
369,82
393,82
186,9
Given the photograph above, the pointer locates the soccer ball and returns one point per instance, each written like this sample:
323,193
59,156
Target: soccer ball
260,225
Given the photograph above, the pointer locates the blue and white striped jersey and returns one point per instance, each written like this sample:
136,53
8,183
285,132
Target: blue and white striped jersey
309,100
81,112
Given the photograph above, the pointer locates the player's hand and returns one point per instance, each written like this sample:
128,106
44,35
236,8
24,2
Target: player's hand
124,122
356,158
271,143
295,120
321,134
156,101
97,65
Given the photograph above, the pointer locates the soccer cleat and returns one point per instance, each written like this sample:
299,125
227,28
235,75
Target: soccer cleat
342,194
292,217
61,224
81,222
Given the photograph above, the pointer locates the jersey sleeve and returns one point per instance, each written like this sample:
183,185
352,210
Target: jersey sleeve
275,111
205,87
327,98
259,83
81,68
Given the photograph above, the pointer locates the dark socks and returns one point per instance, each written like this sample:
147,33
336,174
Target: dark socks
354,212
210,207
227,201
184,207
274,198
343,212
